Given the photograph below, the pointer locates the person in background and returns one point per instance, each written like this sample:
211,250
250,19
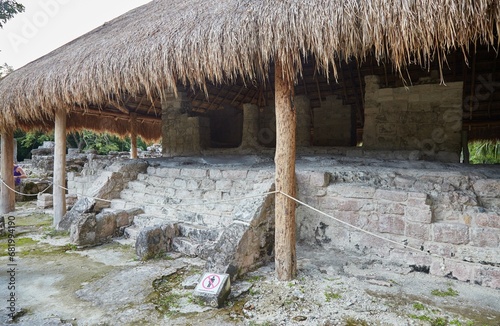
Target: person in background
18,174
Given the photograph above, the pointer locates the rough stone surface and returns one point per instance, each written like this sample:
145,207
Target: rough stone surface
394,119
106,186
83,230
431,207
154,241
82,206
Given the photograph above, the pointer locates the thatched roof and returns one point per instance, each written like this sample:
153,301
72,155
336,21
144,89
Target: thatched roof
166,42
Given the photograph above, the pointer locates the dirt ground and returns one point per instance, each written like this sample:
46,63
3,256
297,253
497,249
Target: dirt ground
55,284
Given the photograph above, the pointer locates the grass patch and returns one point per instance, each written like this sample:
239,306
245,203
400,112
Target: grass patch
35,220
168,302
418,306
330,295
254,279
168,291
355,322
448,293
53,233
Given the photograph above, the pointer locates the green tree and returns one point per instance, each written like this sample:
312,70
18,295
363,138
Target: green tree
8,9
5,69
26,141
485,152
102,143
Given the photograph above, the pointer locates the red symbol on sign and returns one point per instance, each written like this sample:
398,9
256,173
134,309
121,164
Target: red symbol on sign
211,282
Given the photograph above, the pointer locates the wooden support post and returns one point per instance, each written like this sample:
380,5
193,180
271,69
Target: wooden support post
285,229
133,135
8,197
59,167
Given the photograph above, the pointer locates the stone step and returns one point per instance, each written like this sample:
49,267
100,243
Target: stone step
132,232
140,198
137,186
122,204
198,232
187,246
142,221
145,220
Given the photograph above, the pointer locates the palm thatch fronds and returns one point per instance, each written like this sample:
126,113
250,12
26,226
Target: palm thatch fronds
166,42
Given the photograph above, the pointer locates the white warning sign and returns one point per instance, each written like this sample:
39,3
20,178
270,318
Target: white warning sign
211,283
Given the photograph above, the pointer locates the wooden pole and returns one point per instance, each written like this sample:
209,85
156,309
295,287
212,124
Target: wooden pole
285,229
8,197
133,135
59,167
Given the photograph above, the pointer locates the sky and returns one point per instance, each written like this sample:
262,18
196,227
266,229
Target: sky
48,24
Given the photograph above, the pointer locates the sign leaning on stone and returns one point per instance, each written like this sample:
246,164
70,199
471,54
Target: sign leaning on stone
213,289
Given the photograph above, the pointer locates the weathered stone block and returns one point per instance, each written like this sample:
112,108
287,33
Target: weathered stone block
488,276
352,191
235,174
194,173
404,182
491,203
392,195
82,206
391,224
390,208
153,241
223,185
487,188
123,219
83,230
338,204
186,246
451,233
105,226
319,179
487,220
180,184
462,271
418,231
418,215
44,200
215,174
485,237
441,249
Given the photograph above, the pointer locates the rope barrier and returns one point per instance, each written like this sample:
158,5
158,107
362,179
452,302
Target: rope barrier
27,195
207,203
376,235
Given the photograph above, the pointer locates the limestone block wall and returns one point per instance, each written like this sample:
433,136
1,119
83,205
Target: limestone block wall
333,123
303,129
250,132
449,214
216,187
83,183
182,135
426,119
267,123
228,211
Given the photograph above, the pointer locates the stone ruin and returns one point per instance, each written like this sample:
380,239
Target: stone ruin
191,205
163,207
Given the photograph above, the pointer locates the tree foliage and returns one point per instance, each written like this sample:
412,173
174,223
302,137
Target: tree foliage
484,152
8,9
84,140
5,69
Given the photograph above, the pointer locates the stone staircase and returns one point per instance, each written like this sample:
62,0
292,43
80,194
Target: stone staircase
204,207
